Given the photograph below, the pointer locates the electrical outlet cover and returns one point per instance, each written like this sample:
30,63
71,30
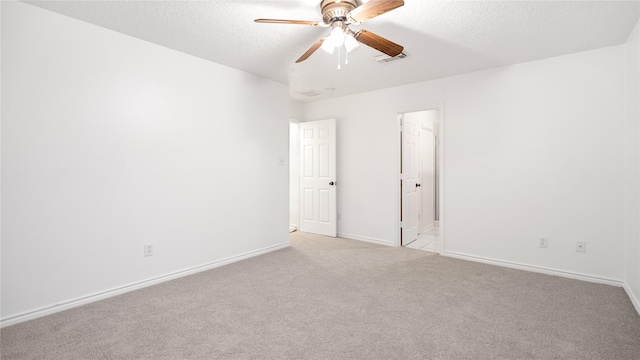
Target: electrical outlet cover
148,250
543,242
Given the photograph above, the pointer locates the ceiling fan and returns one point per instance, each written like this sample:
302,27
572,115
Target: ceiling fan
339,14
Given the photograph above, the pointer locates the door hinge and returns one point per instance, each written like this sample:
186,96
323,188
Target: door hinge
401,224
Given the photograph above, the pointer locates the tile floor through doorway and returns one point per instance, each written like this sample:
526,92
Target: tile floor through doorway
427,241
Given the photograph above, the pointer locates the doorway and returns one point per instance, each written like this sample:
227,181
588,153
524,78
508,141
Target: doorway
312,177
420,175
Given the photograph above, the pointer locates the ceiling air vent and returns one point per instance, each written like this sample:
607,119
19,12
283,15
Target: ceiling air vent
310,93
387,58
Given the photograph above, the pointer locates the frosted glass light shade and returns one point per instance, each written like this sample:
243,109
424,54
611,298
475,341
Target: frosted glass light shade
337,37
327,46
350,43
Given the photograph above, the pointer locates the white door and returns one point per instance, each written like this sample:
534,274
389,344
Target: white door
318,177
410,178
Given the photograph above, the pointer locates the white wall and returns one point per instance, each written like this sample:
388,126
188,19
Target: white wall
632,178
296,110
531,150
110,142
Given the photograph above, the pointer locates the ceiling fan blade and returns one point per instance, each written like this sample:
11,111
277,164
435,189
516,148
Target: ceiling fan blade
311,50
291,22
379,43
373,8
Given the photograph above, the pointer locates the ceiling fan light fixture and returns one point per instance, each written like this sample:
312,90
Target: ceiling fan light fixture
337,36
350,43
335,39
327,46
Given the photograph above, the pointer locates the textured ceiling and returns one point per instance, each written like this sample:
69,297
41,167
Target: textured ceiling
441,38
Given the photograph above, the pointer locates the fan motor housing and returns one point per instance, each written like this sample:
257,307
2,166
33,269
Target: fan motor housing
332,9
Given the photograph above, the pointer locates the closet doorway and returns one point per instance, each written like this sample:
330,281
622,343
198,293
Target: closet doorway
420,180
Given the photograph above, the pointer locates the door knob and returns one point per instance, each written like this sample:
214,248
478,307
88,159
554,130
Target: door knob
418,185
332,183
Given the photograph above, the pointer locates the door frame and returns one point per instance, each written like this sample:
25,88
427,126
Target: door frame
441,171
294,175
332,229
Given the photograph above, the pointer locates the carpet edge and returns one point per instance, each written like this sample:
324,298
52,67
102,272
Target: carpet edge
366,239
536,269
632,297
84,300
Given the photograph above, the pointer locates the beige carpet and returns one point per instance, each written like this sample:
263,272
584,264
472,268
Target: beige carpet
327,298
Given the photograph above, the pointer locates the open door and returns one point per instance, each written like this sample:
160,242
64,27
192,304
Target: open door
318,177
410,180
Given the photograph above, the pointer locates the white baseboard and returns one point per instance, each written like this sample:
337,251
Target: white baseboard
632,296
537,269
30,315
366,239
